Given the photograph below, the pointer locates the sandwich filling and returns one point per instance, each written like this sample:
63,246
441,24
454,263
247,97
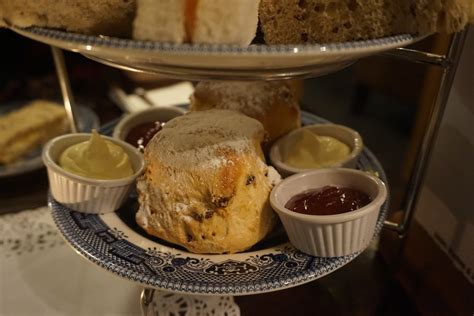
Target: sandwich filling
190,17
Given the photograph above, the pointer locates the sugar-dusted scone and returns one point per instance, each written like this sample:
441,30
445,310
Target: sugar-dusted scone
197,21
327,21
272,103
32,125
108,17
206,185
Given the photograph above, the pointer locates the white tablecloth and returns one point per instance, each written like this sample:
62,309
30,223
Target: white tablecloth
41,275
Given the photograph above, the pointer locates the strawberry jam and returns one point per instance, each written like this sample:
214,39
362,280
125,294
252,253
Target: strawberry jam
328,200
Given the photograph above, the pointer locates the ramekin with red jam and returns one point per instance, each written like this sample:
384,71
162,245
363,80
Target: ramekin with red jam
329,212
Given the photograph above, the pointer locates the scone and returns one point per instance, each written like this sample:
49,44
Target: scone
197,21
328,21
30,126
206,185
107,17
272,103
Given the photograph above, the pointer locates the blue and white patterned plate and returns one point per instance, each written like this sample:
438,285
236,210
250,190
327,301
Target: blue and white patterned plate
204,61
116,243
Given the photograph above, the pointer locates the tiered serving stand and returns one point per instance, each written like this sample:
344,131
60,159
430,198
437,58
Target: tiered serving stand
114,242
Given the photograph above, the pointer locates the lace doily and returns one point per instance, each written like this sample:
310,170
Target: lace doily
171,304
27,232
33,231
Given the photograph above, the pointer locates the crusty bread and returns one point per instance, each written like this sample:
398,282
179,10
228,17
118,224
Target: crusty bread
206,185
197,21
325,21
108,17
271,103
30,126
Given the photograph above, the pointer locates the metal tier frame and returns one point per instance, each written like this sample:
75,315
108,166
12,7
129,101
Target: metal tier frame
448,63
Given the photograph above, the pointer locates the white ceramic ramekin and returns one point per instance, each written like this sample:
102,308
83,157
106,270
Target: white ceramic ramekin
330,235
162,114
83,194
346,135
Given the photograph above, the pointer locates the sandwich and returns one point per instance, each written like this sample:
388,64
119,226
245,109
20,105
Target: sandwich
107,17
328,21
197,21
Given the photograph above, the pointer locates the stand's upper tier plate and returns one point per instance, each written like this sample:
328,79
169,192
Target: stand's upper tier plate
206,61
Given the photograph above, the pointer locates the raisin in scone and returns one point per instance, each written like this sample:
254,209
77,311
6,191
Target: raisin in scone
206,184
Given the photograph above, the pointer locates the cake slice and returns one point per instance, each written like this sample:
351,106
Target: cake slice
197,21
327,21
32,125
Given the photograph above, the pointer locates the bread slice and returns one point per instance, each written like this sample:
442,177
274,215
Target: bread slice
197,21
326,21
108,17
446,16
32,125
